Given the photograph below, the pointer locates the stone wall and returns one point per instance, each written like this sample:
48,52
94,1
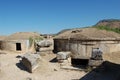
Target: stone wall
61,45
11,45
83,49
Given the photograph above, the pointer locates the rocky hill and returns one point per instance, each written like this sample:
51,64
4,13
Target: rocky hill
111,23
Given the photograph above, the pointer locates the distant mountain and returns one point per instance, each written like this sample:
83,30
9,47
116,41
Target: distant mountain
62,31
111,23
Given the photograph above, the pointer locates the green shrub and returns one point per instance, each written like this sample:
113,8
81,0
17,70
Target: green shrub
32,40
117,30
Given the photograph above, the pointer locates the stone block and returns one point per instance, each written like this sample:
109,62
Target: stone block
44,43
30,61
63,55
95,62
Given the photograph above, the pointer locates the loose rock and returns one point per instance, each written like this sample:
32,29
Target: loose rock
31,61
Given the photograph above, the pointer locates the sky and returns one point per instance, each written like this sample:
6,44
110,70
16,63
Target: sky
51,16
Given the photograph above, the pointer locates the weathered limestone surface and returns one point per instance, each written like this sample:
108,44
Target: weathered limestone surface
83,49
95,62
96,54
31,61
10,45
65,62
44,43
63,55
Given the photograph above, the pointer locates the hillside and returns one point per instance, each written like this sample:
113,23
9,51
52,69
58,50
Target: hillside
111,23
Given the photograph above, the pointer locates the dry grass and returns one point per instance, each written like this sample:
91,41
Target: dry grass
89,34
22,36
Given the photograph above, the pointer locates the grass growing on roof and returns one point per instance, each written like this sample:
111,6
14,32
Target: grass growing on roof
117,30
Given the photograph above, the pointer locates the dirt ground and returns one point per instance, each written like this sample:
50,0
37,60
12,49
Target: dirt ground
49,70
10,70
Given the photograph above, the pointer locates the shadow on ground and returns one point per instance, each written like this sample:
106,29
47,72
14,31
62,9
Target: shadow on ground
21,66
18,56
106,71
54,60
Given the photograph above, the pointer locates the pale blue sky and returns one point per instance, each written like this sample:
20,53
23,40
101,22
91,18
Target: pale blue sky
51,16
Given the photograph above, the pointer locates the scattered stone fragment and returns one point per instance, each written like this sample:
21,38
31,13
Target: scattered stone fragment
44,43
63,55
31,61
28,78
55,70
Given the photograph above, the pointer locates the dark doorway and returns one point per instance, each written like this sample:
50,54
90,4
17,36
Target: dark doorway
77,62
18,46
